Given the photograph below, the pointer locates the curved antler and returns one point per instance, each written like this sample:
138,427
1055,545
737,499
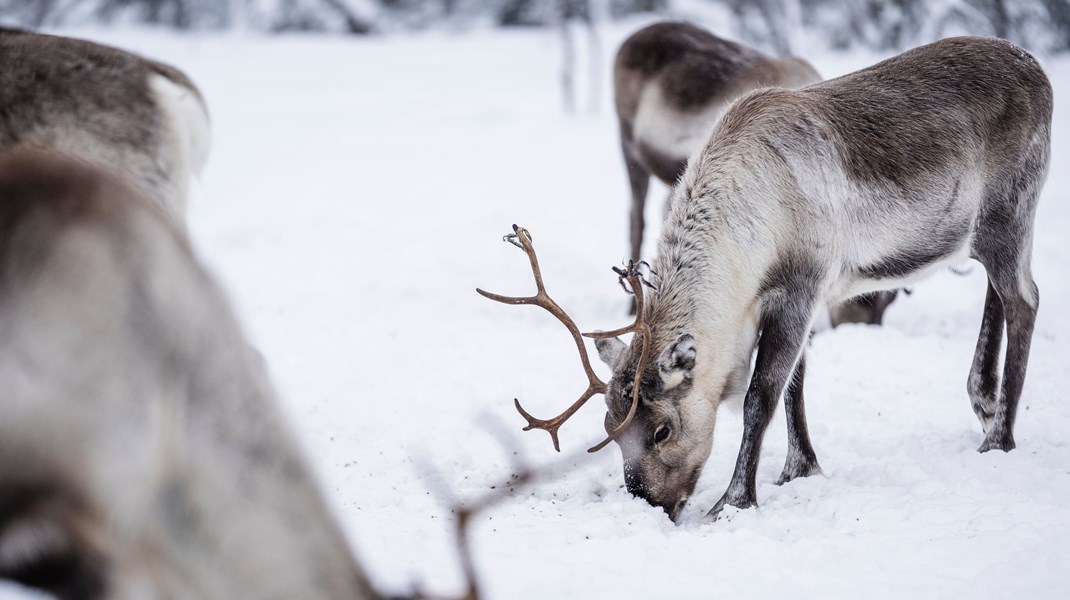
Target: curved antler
521,238
641,328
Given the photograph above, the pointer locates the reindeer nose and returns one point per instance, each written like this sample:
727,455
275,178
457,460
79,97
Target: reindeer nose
631,479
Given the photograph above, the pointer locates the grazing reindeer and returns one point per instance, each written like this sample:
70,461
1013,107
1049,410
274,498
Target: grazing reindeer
802,198
672,80
110,108
142,454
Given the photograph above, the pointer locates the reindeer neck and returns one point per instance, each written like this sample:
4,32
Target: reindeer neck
709,266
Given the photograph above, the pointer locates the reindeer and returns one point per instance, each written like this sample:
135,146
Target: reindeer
106,107
803,198
672,80
142,454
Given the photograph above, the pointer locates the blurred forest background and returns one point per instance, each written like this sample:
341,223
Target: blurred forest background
775,25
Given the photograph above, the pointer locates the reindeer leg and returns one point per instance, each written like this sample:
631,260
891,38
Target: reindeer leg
639,181
785,326
1003,244
802,460
1020,300
983,384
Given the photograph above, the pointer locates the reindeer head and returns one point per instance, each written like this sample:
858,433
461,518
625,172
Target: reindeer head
663,446
667,442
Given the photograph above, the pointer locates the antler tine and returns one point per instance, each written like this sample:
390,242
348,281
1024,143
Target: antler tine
522,239
641,328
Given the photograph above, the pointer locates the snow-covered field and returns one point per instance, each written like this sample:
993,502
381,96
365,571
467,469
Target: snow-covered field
356,194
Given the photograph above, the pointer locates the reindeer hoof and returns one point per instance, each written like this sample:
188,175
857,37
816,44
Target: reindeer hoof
799,469
997,442
740,503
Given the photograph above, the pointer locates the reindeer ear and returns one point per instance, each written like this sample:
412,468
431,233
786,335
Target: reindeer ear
610,351
677,361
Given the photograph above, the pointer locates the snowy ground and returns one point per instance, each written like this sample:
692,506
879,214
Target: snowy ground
356,195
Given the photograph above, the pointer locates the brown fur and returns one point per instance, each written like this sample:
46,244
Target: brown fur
93,103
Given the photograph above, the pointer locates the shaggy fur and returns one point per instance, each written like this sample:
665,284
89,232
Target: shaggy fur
803,198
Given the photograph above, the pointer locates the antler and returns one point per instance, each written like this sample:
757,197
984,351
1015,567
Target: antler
632,274
640,327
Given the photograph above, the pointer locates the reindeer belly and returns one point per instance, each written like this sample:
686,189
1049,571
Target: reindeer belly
892,236
906,262
900,271
666,137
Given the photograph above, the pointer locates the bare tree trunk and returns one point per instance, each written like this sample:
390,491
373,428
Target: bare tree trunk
42,10
565,12
182,18
1001,23
354,24
1059,13
568,66
774,14
594,61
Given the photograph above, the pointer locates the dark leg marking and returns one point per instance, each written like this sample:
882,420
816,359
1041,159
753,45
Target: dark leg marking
785,326
802,460
1020,311
983,384
1002,245
639,180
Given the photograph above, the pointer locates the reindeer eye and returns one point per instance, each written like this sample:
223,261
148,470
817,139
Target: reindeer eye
662,434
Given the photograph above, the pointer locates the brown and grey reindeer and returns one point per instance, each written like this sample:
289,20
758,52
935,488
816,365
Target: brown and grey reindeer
132,116
672,81
142,452
804,198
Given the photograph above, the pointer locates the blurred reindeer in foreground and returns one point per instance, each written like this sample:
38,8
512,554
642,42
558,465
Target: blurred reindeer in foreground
142,454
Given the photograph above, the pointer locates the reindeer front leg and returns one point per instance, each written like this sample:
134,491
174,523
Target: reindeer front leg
801,460
785,323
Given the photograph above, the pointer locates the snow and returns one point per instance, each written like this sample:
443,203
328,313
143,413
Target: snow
354,198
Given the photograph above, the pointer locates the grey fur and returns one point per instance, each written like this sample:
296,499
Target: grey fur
106,107
142,454
803,198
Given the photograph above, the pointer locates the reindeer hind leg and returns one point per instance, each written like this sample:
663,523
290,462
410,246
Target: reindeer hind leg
1003,244
983,384
1020,299
639,182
